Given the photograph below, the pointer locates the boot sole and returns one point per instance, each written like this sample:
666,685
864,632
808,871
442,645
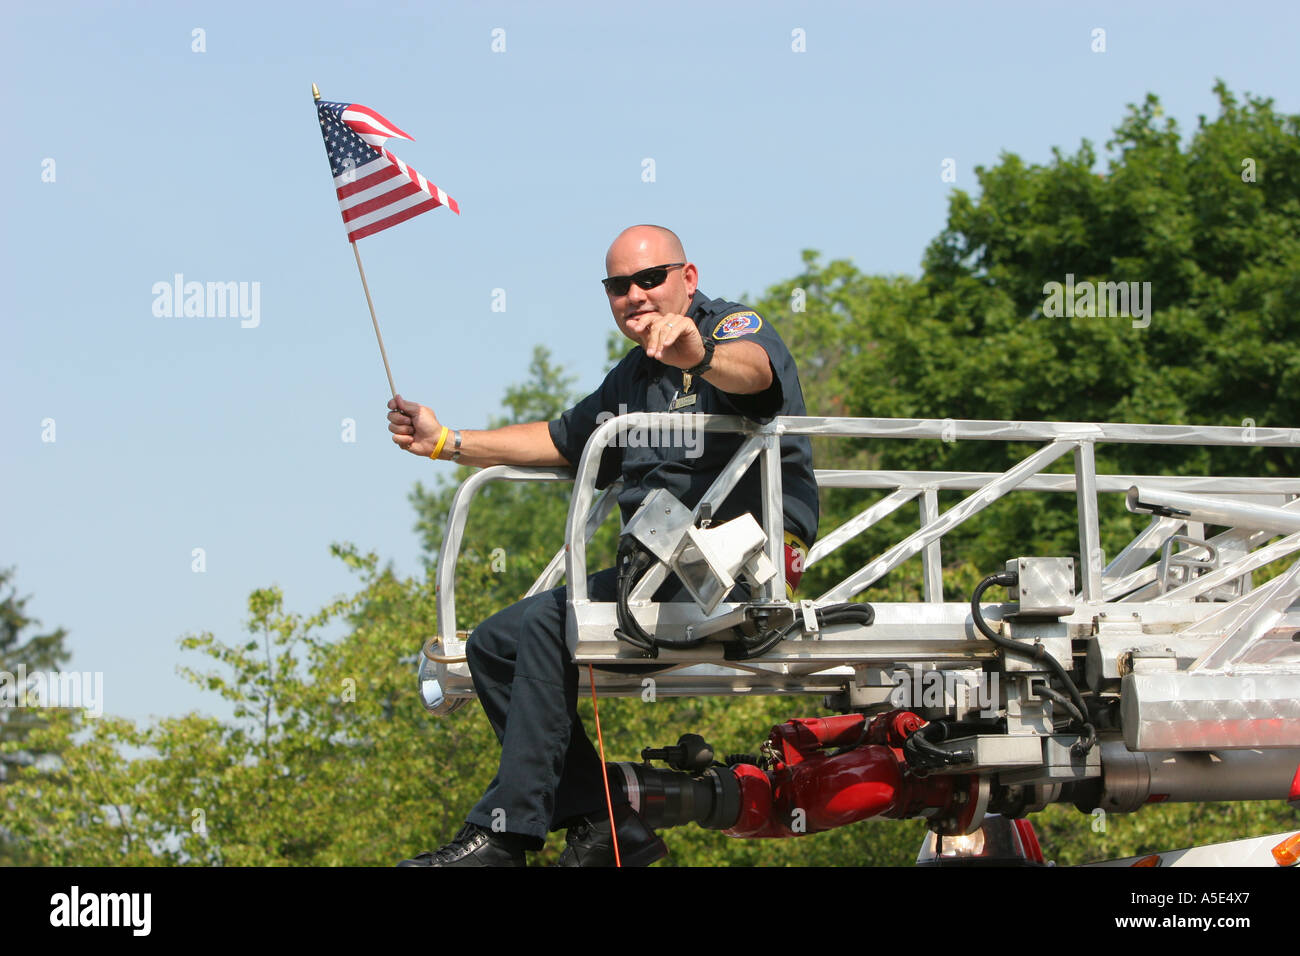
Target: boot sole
646,855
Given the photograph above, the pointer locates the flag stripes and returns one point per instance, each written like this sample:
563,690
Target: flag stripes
375,189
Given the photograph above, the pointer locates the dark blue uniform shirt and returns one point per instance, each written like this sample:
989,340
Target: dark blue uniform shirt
686,462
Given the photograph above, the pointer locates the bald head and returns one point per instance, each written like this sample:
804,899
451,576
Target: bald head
653,244
641,248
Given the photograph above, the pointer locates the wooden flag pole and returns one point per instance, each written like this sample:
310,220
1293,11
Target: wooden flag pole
374,320
315,92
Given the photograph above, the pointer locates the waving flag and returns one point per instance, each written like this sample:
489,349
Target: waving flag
375,188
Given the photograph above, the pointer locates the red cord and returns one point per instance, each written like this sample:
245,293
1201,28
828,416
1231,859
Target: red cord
604,771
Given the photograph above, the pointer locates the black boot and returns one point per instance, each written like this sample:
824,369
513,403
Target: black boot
474,846
590,843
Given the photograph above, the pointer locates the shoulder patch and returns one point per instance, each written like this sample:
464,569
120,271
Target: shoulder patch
737,324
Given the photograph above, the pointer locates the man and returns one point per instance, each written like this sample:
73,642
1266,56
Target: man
694,355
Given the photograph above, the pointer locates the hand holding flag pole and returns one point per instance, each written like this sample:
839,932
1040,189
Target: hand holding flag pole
375,189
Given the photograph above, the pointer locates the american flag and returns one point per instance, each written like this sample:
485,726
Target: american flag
375,188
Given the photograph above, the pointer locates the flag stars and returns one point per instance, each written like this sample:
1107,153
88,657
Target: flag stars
393,191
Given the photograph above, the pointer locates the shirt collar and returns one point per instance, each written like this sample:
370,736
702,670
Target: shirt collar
699,308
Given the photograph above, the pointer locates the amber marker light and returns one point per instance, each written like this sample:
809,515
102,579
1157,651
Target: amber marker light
1287,853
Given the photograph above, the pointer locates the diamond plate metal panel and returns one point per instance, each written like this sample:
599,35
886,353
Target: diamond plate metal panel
1210,712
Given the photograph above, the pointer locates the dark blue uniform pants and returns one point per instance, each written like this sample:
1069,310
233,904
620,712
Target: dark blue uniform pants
527,683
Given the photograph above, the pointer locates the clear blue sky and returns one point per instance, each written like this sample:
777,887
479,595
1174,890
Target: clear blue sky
180,433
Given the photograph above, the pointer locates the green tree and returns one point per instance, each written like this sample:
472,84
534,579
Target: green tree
20,653
1221,254
330,758
969,338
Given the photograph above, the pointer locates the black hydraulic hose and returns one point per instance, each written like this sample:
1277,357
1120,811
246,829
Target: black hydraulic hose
921,750
633,562
1062,699
1036,653
847,613
965,728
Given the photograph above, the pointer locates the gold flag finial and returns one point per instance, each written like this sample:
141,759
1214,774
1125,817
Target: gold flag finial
315,93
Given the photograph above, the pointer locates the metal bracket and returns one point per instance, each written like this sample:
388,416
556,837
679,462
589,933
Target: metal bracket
810,625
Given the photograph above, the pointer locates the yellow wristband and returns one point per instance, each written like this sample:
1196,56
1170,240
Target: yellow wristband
442,440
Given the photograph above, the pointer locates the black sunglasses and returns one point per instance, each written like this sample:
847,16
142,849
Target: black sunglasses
645,279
